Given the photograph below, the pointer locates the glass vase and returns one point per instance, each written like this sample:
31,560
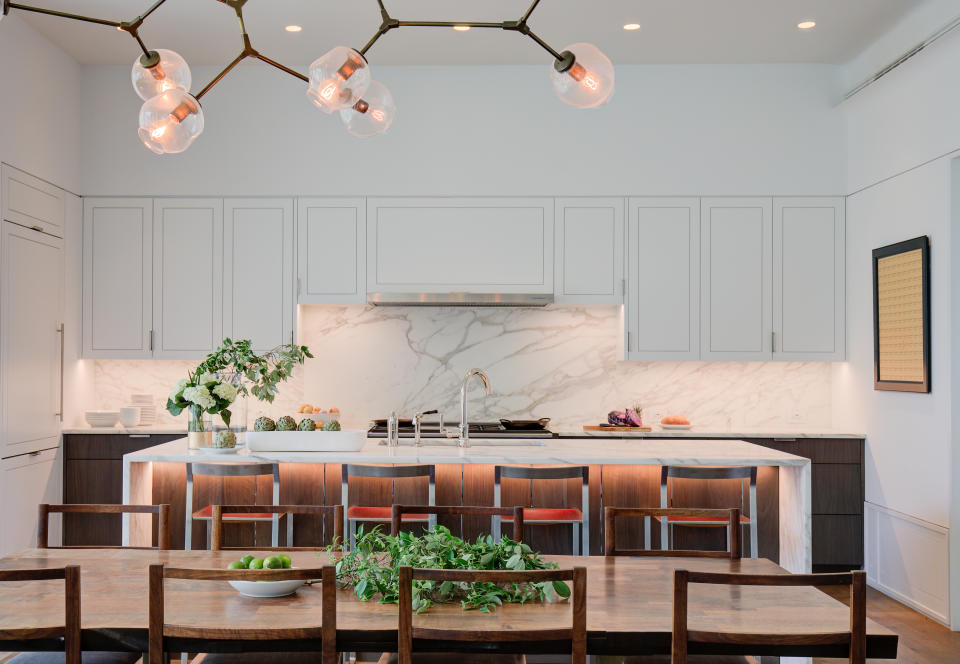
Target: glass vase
238,410
199,428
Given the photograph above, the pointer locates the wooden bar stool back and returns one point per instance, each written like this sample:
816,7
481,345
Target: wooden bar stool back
334,511
514,513
610,514
748,501
160,632
577,518
854,639
222,470
407,632
45,510
383,514
13,639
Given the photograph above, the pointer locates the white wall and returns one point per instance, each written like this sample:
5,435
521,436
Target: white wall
900,134
39,113
486,130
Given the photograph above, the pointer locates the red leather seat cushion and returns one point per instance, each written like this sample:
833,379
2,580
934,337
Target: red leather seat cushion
548,514
380,514
707,520
207,513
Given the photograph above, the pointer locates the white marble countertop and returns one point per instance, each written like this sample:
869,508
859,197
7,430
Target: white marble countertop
698,432
150,429
551,452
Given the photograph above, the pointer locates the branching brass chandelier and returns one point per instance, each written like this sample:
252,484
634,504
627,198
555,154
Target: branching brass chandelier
171,117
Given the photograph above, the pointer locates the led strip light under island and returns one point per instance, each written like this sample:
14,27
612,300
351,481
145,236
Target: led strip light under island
171,117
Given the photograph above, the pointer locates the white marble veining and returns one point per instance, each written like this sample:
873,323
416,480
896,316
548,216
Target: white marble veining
557,362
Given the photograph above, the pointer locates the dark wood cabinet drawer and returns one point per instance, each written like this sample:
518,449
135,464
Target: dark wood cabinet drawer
818,450
837,489
110,445
92,481
838,540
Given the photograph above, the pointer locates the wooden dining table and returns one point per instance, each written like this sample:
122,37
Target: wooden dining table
628,607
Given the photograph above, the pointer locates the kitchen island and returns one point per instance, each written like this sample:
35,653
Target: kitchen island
622,473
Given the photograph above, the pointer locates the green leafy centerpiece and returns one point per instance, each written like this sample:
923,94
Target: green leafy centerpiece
373,569
232,370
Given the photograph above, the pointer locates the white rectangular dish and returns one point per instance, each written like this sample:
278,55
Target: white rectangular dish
349,440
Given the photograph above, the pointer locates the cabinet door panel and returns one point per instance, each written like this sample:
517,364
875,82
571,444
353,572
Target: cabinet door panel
258,271
31,314
460,244
663,303
31,202
187,277
589,250
736,318
93,481
25,482
808,279
117,277
331,250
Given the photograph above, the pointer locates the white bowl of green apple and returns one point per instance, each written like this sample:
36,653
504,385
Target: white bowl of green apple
265,588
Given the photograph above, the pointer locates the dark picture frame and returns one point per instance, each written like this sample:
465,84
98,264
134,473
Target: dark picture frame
901,286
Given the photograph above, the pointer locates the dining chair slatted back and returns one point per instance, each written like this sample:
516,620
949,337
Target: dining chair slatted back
196,469
610,514
160,632
855,637
576,633
579,519
333,511
747,502
382,513
70,631
515,513
45,510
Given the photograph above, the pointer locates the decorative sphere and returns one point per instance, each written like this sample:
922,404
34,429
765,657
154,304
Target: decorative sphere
170,122
338,79
588,83
172,72
372,114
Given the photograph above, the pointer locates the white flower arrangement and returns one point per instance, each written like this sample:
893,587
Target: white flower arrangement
206,392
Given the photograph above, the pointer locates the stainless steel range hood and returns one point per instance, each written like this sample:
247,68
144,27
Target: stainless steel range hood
460,299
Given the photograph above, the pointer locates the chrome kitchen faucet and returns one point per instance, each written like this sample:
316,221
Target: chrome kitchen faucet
464,440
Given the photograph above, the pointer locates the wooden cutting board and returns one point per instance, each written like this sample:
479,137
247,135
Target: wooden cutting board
610,428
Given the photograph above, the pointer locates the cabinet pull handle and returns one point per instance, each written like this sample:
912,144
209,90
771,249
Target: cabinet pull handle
628,342
37,228
139,435
60,332
784,440
35,453
773,342
151,340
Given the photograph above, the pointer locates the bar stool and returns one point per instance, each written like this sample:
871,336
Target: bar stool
235,470
708,473
577,518
380,514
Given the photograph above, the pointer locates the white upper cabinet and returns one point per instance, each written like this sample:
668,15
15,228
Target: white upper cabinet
258,270
331,250
31,339
31,202
479,245
589,250
808,279
663,293
187,277
117,277
736,318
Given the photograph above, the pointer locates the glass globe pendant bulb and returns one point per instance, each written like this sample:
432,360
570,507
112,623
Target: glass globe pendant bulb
584,78
372,114
167,71
170,121
338,79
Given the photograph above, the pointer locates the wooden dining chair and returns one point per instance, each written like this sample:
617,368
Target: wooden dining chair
422,511
161,633
730,516
407,632
334,511
45,510
854,639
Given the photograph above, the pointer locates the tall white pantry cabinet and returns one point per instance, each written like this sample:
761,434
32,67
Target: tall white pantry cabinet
31,349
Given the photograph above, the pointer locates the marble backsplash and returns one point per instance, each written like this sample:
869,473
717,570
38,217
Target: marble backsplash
558,362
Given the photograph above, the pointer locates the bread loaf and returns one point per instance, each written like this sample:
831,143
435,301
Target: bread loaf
675,419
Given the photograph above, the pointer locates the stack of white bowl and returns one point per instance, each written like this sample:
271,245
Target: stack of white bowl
101,418
148,408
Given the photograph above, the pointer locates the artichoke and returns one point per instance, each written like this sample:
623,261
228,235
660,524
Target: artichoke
225,439
286,423
264,424
306,424
333,425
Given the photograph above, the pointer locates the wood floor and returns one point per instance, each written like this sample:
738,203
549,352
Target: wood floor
922,641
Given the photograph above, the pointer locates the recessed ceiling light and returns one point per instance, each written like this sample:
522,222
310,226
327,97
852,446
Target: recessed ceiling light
631,26
461,28
293,28
806,25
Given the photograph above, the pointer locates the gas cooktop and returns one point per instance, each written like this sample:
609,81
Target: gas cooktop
477,430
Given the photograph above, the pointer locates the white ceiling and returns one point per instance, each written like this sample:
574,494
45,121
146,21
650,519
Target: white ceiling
205,32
